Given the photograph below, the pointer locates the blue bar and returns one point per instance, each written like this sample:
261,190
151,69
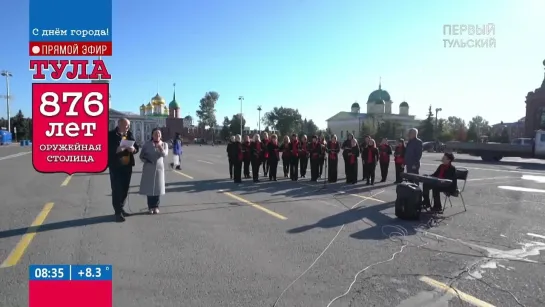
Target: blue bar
70,15
49,272
92,272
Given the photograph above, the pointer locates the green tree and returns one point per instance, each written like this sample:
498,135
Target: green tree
472,134
21,127
481,125
283,120
504,138
388,129
461,134
234,124
366,128
453,124
426,128
444,133
309,127
207,109
225,132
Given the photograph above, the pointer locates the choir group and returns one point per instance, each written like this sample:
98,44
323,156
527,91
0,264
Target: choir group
296,154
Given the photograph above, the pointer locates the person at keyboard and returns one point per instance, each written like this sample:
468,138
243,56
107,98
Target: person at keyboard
445,171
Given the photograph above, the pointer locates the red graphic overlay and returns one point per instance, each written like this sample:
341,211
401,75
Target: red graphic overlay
70,293
70,48
71,69
70,124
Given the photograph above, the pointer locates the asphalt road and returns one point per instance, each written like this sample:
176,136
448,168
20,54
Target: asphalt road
294,243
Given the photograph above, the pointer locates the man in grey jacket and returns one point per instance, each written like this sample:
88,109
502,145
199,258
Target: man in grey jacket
413,152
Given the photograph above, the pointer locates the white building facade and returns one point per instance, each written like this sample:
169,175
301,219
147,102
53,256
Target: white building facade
379,110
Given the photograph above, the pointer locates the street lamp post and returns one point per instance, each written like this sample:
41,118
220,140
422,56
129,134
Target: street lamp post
259,117
241,98
8,75
437,110
436,122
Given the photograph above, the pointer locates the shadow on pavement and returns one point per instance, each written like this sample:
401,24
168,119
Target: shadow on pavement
300,190
59,225
347,217
384,225
518,165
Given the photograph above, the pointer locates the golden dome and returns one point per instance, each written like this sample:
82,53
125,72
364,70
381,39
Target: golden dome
157,100
143,107
149,106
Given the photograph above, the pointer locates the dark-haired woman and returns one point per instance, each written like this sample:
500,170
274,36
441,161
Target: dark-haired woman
399,154
369,156
152,182
238,158
285,149
350,155
346,147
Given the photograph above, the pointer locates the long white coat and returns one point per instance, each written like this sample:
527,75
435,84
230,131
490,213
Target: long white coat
152,182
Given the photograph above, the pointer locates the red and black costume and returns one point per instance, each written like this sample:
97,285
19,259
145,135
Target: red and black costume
256,154
384,153
363,146
444,171
399,160
238,157
231,156
369,156
294,159
247,158
285,149
304,154
315,156
333,149
265,158
350,155
273,151
323,156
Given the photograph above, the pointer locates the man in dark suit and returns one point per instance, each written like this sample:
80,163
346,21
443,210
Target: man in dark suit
445,171
413,152
120,163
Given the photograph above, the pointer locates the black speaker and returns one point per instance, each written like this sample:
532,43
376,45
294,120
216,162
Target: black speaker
409,201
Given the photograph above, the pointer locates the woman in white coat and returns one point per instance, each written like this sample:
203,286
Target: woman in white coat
152,183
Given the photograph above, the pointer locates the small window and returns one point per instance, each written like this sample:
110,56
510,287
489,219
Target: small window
542,139
517,142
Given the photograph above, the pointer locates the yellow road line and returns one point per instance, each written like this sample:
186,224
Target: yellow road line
23,244
276,215
66,181
180,173
463,296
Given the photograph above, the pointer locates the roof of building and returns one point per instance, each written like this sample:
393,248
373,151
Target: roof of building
157,100
174,104
343,115
379,94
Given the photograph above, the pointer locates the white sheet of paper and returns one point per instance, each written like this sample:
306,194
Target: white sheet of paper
126,143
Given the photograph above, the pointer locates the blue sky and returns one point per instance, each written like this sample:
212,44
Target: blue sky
318,56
